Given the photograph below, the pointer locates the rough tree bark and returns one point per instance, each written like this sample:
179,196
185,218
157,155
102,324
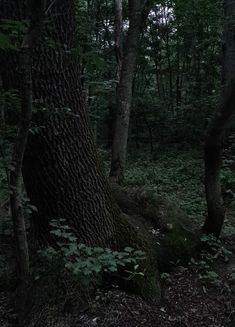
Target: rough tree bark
61,169
216,130
137,16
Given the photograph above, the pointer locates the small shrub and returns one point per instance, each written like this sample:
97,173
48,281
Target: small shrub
88,263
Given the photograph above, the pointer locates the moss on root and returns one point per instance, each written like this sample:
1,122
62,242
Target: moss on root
148,285
180,241
147,210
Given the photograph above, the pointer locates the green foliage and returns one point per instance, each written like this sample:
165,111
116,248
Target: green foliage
11,33
9,105
173,97
228,180
216,247
212,278
4,177
213,249
178,175
95,52
232,278
175,174
88,263
166,278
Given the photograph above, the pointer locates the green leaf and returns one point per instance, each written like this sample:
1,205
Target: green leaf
56,232
97,268
128,249
5,42
98,250
112,268
139,253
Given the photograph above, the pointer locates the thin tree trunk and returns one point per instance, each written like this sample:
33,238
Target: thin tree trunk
178,73
124,91
22,252
118,36
217,128
213,161
168,55
118,30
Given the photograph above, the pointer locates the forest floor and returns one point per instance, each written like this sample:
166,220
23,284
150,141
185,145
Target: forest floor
187,300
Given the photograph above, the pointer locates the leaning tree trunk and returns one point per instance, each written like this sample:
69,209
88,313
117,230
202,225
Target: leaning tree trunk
61,169
213,161
217,128
124,90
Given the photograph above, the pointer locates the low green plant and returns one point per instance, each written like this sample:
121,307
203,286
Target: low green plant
232,277
88,263
166,278
175,174
211,277
227,177
178,176
213,249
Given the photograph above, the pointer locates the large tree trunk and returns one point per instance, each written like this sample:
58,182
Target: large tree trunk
61,169
217,128
124,90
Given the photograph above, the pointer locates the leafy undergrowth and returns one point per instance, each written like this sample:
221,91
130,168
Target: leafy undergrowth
178,175
192,296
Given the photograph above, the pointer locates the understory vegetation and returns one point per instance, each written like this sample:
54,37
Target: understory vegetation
177,173
182,185
117,163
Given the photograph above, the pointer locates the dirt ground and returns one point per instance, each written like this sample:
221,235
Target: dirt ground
185,302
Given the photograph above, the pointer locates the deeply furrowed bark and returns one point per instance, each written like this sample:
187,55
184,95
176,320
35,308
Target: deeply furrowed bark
61,168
